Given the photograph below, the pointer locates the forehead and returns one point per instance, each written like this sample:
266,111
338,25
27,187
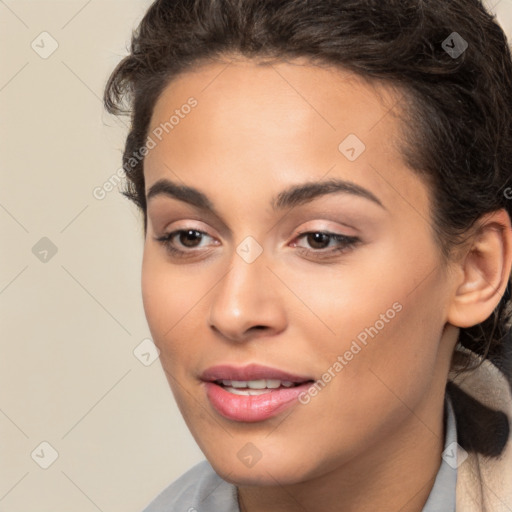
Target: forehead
298,89
281,122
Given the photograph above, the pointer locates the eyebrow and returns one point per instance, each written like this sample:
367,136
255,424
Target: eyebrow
291,197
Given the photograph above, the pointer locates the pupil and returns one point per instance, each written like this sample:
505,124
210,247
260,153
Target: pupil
188,236
319,238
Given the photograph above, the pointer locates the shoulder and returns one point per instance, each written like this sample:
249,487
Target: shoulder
200,488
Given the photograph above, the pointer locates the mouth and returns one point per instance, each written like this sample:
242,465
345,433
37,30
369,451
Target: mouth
251,373
256,387
252,393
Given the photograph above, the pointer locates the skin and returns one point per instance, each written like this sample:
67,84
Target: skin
256,130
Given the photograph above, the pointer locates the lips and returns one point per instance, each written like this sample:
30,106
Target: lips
250,372
252,393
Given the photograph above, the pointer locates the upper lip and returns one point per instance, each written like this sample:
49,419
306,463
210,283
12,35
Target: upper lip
249,372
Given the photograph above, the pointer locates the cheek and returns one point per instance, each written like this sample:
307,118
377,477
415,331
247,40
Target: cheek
175,305
163,298
156,297
387,317
396,361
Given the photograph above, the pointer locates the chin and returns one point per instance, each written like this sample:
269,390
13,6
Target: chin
264,472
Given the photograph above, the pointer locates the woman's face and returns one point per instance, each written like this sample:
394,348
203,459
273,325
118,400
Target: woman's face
261,279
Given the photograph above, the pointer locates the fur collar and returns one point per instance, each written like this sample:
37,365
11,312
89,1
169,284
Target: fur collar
482,402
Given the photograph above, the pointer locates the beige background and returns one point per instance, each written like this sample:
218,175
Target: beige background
70,323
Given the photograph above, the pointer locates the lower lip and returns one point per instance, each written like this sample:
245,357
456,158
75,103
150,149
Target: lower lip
252,408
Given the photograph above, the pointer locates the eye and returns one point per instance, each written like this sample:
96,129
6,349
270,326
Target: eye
319,241
185,242
190,239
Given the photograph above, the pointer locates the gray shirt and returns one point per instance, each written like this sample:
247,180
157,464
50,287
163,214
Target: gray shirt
200,489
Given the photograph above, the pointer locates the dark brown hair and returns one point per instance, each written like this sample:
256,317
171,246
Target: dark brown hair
458,105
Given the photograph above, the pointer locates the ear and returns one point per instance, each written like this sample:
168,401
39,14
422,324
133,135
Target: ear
483,270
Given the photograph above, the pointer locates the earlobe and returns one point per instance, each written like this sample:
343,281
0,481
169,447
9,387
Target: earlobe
484,271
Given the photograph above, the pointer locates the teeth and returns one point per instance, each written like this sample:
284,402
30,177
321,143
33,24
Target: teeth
257,384
247,391
260,384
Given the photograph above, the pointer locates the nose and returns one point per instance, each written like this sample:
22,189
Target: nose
246,303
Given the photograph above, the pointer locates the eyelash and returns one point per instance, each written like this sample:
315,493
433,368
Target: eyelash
347,243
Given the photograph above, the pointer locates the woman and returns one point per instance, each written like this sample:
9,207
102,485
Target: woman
326,190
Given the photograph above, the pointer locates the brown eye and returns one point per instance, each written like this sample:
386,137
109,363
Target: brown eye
318,240
183,242
189,237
